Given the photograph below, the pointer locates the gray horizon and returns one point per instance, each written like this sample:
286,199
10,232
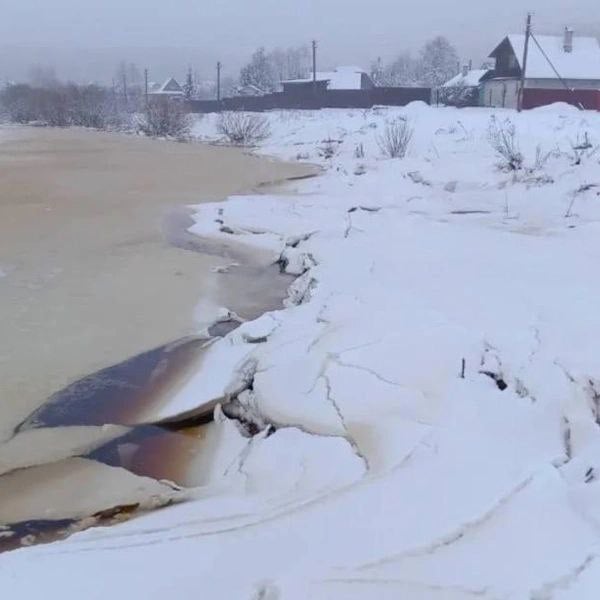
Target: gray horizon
87,44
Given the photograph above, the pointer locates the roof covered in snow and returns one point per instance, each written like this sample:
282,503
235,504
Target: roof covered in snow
170,86
471,79
342,78
583,62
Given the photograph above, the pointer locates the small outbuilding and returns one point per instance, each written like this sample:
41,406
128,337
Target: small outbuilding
342,78
249,90
462,89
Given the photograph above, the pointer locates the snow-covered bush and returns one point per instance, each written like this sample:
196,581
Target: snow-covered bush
458,95
394,140
242,128
165,118
503,139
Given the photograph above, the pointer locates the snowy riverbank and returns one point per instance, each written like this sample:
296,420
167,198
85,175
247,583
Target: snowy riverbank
427,406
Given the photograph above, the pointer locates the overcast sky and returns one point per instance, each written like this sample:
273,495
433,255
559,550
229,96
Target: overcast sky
85,39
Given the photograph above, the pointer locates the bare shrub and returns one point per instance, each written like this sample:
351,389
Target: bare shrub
396,137
582,149
582,189
503,139
359,151
541,158
88,106
328,148
242,128
165,118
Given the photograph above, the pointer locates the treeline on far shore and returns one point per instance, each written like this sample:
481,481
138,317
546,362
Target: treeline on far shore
93,106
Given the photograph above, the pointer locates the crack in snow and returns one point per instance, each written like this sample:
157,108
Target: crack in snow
368,370
475,592
349,438
546,591
453,536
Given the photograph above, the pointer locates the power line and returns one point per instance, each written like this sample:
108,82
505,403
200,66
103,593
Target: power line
569,89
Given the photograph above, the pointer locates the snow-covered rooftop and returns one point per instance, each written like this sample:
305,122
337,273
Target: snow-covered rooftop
170,86
583,62
471,79
342,78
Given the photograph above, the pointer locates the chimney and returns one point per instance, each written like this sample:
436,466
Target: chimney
465,70
568,41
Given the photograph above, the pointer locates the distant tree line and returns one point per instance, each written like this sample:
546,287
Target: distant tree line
46,99
436,63
266,70
60,105
122,106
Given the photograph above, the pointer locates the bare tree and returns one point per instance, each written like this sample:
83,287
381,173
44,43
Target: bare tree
401,72
438,62
290,63
188,86
127,85
259,72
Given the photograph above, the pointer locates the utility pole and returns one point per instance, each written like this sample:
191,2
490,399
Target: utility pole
219,82
146,85
314,64
524,64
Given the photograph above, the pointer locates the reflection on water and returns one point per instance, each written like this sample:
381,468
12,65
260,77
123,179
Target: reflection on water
126,394
117,394
161,453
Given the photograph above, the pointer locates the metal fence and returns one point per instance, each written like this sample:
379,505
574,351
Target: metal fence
308,100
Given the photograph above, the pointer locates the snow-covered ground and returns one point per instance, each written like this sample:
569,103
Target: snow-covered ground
428,404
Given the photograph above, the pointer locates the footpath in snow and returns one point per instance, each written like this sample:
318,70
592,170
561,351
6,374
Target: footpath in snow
423,420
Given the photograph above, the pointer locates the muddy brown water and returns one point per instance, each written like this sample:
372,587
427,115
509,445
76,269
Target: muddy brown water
102,277
89,279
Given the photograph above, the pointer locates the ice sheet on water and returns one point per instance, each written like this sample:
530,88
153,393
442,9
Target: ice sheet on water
394,464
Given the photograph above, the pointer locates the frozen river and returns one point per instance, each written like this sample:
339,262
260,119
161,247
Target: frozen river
95,270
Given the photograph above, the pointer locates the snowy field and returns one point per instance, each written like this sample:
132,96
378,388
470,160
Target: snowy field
427,405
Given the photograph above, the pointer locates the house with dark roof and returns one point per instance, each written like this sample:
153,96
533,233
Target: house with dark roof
559,69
